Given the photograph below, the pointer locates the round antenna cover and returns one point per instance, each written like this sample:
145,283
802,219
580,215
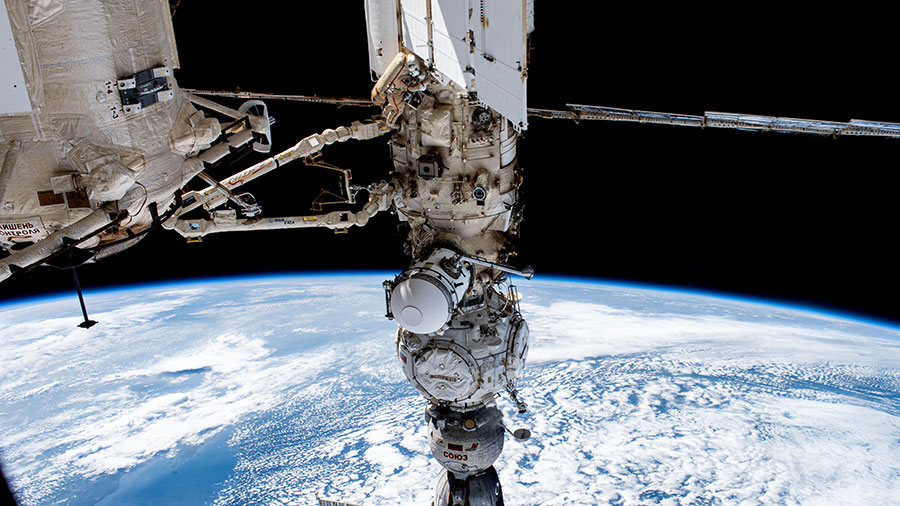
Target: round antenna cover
421,305
522,434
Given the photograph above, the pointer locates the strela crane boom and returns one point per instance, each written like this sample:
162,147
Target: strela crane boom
98,140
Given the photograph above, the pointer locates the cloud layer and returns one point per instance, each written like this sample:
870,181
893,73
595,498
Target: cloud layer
636,397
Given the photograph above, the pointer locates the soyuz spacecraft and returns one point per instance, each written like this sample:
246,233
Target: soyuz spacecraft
99,144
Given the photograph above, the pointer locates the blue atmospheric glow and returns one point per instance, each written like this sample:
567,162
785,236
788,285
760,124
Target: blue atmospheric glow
550,278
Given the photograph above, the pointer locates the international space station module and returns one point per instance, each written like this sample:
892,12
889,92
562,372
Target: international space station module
461,337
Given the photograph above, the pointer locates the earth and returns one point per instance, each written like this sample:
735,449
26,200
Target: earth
275,390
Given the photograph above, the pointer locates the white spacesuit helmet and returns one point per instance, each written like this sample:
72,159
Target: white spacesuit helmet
412,64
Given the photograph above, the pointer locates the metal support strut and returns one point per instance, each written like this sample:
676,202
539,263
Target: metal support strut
87,323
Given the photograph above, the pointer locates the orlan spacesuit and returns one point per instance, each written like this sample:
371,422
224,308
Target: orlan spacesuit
401,80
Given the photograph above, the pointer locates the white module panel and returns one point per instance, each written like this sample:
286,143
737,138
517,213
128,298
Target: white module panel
384,42
480,45
499,28
13,92
414,26
451,42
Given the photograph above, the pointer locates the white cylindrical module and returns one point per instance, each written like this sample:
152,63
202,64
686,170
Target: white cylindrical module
425,296
421,303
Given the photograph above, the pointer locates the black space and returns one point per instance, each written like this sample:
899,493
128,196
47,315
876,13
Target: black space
794,218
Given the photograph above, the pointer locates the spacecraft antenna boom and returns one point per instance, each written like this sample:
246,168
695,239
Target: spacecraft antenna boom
578,112
315,99
749,122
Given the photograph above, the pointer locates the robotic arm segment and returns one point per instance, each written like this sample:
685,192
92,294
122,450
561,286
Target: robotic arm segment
213,195
380,198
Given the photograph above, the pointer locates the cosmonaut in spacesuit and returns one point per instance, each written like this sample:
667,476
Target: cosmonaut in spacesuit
401,82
